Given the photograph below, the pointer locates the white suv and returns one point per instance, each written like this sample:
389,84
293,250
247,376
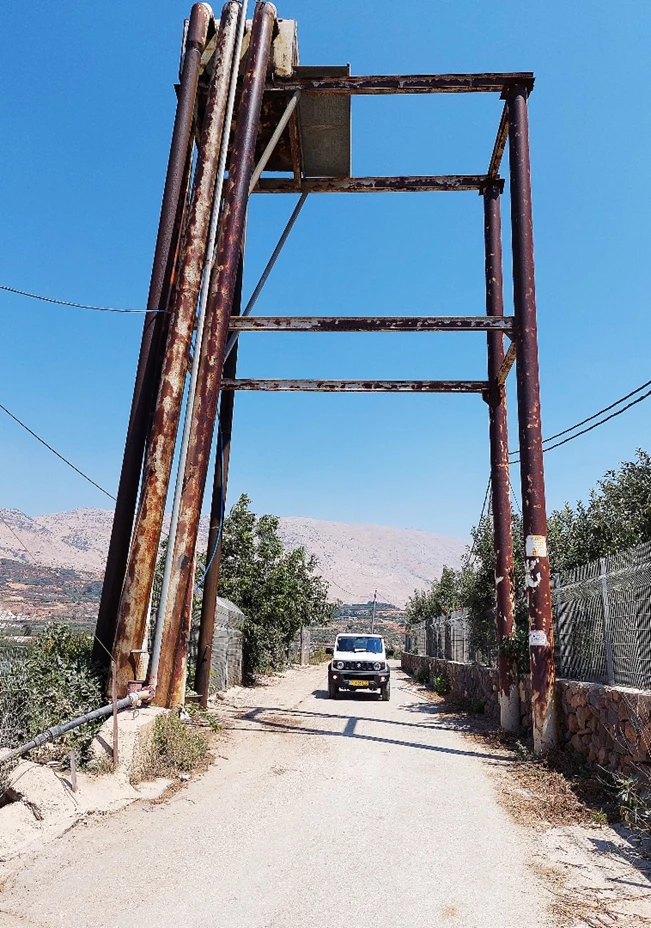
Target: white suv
359,662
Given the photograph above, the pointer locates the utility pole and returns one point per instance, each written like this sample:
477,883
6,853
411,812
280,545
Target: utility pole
374,606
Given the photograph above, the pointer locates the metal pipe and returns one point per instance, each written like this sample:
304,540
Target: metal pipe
133,699
154,323
222,78
146,536
222,289
275,138
537,584
217,512
268,269
508,695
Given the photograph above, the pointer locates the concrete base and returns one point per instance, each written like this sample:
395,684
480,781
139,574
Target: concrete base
510,710
135,729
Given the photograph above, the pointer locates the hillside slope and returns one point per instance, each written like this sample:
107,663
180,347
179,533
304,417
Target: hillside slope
354,559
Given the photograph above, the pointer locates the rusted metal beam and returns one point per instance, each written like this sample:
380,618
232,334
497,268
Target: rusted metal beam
217,512
408,184
220,302
537,583
407,83
509,700
134,602
371,324
500,144
359,386
148,369
508,361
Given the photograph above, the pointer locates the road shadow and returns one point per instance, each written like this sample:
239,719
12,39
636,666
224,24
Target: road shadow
297,722
636,852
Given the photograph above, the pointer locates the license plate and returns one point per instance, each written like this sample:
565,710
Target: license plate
358,682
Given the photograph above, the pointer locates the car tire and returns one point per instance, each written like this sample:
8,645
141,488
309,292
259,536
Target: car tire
385,692
333,691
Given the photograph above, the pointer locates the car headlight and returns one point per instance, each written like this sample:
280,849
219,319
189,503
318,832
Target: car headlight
339,665
377,666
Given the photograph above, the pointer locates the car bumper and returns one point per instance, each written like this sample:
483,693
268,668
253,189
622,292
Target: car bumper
347,679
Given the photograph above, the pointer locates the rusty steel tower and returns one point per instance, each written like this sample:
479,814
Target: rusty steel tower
246,106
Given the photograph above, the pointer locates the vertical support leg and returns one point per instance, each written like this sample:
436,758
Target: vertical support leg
220,303
217,511
537,581
499,453
141,564
148,367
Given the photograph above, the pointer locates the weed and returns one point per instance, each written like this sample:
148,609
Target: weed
441,684
201,716
599,817
174,748
477,706
634,800
422,675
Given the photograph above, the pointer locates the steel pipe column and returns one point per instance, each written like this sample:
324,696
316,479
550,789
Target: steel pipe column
148,370
134,602
220,302
541,638
217,513
509,699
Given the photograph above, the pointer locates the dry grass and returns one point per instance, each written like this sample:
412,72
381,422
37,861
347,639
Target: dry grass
175,747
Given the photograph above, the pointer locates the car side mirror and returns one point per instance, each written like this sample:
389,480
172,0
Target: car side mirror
390,652
330,650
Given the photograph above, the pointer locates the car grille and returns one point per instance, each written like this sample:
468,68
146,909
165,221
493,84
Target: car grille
358,665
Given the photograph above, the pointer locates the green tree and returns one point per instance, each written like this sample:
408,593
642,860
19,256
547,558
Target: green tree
278,591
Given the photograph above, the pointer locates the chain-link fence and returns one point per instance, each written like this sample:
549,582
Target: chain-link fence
602,623
446,637
602,613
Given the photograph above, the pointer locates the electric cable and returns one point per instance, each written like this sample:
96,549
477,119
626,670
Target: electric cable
591,428
55,452
97,309
577,425
17,537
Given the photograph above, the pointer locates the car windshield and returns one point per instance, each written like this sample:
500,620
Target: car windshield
361,643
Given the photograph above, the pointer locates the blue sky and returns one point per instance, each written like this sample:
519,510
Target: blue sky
87,110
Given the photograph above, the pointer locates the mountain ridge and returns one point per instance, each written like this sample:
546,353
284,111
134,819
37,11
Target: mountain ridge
355,559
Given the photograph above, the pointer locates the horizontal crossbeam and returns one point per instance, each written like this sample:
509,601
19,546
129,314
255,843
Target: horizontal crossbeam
371,324
406,83
409,184
360,386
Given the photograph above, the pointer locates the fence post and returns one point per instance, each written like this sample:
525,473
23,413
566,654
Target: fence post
608,632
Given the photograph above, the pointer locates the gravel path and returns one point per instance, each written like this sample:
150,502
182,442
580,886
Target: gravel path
317,812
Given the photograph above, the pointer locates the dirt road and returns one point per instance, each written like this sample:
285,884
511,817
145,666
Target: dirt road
316,813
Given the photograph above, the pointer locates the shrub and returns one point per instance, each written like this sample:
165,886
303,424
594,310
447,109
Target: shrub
441,684
477,706
422,675
52,681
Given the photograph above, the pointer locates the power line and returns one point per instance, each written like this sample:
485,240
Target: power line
596,425
97,309
54,451
17,537
590,418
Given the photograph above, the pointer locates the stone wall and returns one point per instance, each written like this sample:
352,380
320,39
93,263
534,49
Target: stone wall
610,726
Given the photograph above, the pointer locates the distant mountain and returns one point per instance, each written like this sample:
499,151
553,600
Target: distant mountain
354,559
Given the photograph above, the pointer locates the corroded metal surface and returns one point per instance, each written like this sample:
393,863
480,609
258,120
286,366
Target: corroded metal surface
537,583
507,363
409,83
220,301
499,457
360,386
217,512
148,370
500,144
371,324
134,602
407,184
